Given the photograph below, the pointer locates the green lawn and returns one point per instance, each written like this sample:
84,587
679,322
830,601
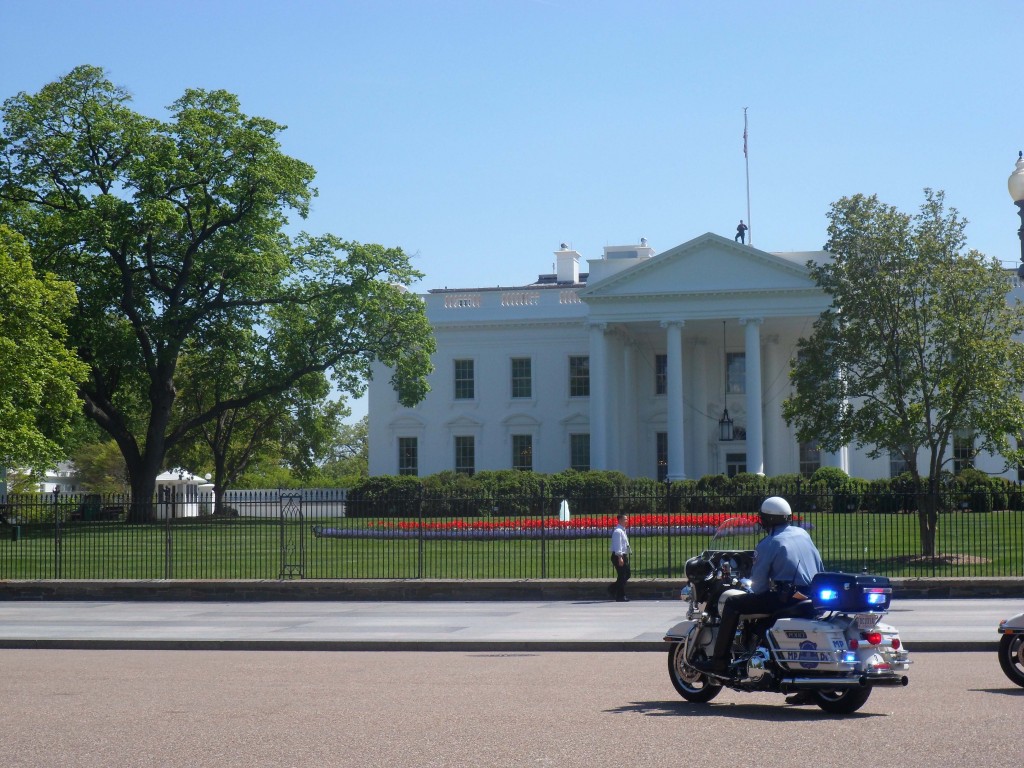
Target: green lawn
971,544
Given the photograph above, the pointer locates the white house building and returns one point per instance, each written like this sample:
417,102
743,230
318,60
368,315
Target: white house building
630,366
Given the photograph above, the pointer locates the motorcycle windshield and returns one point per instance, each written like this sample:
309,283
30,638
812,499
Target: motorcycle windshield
736,533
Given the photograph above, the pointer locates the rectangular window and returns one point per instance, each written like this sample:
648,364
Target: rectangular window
579,452
579,376
464,389
897,464
465,454
660,374
963,452
522,377
736,365
661,452
408,456
522,452
810,458
735,463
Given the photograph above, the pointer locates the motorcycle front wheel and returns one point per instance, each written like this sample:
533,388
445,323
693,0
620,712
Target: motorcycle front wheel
688,682
1011,657
842,701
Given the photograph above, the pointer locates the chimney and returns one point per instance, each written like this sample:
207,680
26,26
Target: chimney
567,263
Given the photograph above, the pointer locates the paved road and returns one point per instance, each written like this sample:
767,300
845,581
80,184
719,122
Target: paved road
95,709
437,625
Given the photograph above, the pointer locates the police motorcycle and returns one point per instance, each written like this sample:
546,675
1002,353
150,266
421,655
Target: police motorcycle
1011,648
832,647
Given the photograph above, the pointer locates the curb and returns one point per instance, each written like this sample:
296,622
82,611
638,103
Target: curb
397,590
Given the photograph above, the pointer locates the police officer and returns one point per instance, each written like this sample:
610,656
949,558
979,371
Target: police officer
785,561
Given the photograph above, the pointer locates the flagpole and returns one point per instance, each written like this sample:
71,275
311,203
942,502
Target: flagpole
746,162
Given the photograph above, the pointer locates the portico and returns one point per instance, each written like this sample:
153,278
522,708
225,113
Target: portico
672,307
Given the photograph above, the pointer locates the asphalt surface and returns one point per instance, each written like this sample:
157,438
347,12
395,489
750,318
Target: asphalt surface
639,625
193,709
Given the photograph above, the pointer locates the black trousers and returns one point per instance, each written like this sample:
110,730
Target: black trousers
622,574
738,605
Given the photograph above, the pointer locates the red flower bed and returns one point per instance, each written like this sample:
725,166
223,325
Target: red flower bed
583,522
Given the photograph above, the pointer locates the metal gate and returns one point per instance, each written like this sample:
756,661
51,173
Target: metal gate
293,540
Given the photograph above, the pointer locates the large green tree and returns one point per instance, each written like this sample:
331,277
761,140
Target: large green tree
175,229
38,373
295,428
920,344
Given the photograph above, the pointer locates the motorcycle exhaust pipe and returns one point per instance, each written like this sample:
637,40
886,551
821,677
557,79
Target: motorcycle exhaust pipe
903,681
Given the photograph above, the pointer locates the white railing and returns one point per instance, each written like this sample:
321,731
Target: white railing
520,298
461,300
505,298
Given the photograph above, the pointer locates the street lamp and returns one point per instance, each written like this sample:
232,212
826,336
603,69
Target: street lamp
1016,186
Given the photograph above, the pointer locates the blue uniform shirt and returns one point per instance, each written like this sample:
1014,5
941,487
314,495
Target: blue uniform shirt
786,554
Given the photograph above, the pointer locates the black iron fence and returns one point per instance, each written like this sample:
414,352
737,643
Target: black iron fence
419,535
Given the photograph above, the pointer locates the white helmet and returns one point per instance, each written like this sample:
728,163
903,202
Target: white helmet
775,511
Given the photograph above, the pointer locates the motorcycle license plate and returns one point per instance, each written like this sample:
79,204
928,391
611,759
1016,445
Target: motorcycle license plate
867,620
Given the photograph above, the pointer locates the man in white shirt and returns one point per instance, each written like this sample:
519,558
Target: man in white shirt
620,559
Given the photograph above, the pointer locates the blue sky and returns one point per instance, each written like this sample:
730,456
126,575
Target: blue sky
480,134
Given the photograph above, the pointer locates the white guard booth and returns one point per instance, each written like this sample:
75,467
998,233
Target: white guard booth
179,493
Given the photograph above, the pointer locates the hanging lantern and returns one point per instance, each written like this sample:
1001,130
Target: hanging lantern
725,432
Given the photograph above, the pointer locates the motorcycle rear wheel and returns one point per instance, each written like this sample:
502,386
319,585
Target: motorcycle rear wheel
842,701
1011,657
688,682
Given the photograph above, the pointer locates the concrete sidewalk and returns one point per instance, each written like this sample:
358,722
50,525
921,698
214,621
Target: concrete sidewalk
502,626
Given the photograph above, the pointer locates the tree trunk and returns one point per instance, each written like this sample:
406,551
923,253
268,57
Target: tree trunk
928,519
142,474
143,489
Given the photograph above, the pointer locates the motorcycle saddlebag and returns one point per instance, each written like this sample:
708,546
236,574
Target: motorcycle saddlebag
854,593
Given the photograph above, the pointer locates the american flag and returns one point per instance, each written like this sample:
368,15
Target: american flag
744,137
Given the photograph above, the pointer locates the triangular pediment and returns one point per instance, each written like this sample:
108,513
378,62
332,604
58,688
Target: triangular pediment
575,420
407,422
520,420
463,422
707,265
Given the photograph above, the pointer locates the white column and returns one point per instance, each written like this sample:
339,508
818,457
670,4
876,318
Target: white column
699,424
840,458
614,381
598,396
627,427
755,427
674,393
774,452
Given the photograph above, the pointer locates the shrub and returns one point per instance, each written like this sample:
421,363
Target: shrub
830,477
749,491
385,496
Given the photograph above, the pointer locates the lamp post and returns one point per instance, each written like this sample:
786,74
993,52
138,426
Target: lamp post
1016,186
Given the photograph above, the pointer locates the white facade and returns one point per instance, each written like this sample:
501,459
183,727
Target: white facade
657,332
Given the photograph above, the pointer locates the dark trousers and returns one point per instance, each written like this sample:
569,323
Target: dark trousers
622,574
738,605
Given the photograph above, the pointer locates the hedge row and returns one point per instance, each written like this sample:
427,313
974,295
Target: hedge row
512,492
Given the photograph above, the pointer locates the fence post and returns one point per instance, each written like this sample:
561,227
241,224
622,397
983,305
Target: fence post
543,533
668,526
419,532
57,558
168,546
